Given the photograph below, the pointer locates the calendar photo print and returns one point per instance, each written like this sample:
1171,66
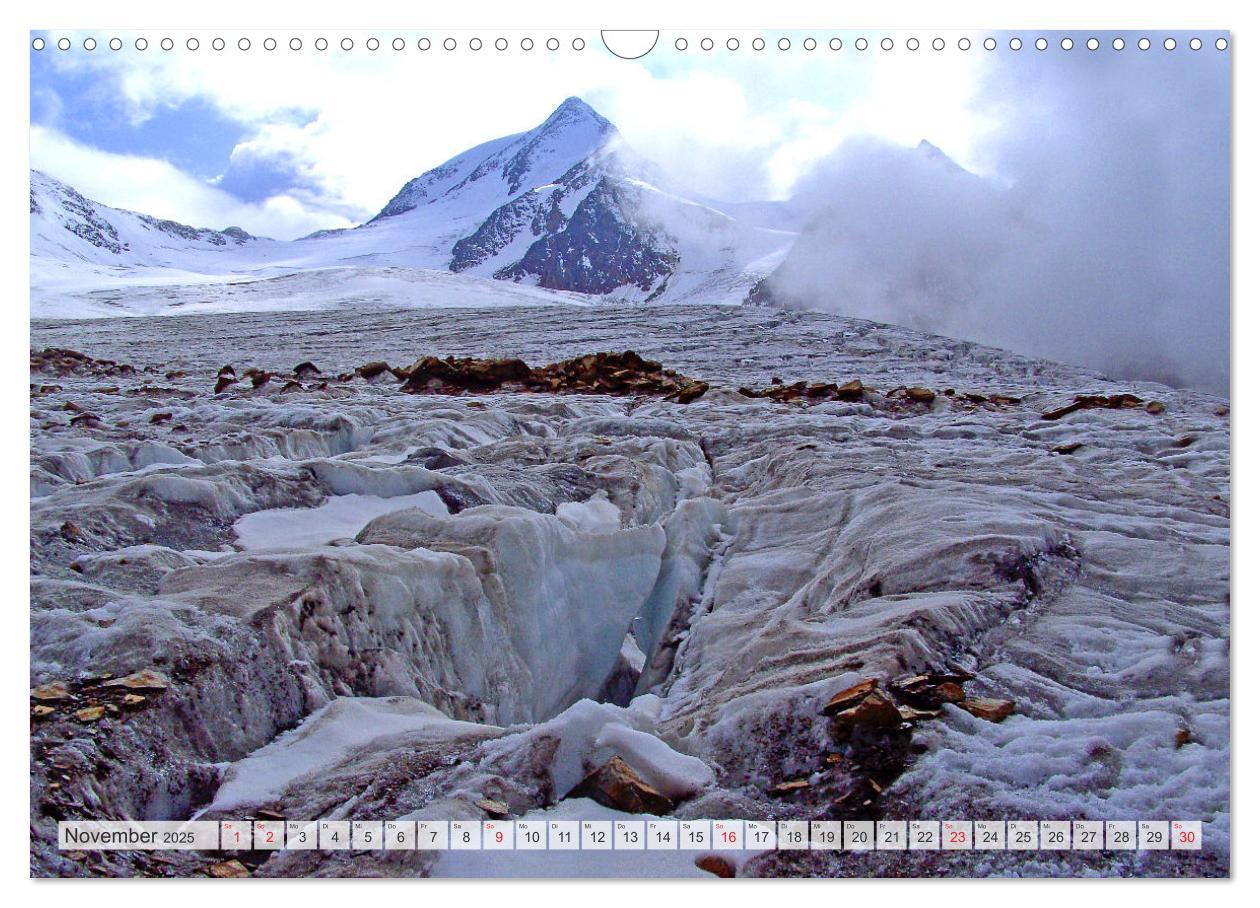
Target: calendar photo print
492,453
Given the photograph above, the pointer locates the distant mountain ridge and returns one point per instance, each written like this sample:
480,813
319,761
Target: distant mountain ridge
128,237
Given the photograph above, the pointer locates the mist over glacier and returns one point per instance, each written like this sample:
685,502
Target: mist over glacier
1096,234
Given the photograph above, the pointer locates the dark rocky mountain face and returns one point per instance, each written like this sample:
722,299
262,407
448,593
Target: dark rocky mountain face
599,249
540,213
214,237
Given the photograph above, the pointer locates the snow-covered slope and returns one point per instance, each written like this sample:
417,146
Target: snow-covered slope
566,206
151,292
67,226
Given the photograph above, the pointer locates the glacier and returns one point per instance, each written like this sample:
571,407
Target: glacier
372,604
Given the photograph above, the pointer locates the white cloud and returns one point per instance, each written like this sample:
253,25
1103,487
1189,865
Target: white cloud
1102,240
156,187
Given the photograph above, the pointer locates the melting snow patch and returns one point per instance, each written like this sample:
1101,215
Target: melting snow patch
590,733
329,737
340,517
595,515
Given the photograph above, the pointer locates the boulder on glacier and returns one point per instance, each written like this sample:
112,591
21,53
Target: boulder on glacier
616,785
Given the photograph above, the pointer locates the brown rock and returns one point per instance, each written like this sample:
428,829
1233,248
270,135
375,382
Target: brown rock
876,709
1061,412
693,391
226,870
911,714
911,683
850,696
40,711
1070,447
716,865
1182,737
930,689
373,369
224,382
1095,401
851,390
791,785
133,699
147,679
615,785
305,370
451,375
1155,408
90,713
987,708
496,809
921,395
53,690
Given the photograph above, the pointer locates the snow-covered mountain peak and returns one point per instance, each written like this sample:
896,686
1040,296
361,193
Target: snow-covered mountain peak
574,113
499,170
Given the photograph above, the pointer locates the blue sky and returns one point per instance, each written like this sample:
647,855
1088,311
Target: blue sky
192,135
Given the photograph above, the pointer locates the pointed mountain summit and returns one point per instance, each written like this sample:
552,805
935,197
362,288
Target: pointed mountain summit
503,167
569,206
